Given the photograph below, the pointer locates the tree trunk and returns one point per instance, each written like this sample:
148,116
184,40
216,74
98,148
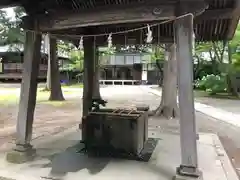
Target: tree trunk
231,87
96,87
56,91
48,83
214,63
160,75
48,80
168,106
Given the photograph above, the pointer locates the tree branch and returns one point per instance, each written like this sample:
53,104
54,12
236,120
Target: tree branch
216,51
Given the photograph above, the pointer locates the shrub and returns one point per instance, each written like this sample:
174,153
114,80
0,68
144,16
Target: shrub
212,84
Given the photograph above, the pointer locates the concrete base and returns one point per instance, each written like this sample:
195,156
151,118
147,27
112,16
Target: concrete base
185,173
179,177
58,157
188,171
21,154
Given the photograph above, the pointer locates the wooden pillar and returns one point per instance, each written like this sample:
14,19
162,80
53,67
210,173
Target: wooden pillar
88,80
188,136
23,150
96,87
56,91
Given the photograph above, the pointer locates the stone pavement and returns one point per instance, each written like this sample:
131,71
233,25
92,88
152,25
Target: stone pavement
230,105
215,112
162,167
57,159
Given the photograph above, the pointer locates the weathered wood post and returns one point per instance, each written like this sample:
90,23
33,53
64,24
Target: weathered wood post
96,86
188,135
88,80
23,150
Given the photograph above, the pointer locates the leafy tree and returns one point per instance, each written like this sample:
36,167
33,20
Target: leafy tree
168,106
234,49
212,84
233,67
11,33
76,58
157,56
225,60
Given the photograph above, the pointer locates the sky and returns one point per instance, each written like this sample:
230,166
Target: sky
9,11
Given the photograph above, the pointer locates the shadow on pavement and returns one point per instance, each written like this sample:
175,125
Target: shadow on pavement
71,161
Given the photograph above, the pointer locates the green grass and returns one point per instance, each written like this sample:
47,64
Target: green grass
42,97
53,103
8,98
77,85
200,93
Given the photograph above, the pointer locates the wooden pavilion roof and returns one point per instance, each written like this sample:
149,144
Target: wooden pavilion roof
217,22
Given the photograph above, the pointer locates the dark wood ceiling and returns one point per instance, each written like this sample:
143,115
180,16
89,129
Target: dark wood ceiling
206,29
53,5
89,4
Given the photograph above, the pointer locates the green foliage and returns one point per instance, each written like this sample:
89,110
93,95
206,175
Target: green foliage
203,69
75,62
224,57
65,46
236,64
202,47
234,46
157,54
76,58
212,84
11,33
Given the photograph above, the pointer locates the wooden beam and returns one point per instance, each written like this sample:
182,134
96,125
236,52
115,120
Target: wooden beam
133,40
115,14
214,14
234,20
79,25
